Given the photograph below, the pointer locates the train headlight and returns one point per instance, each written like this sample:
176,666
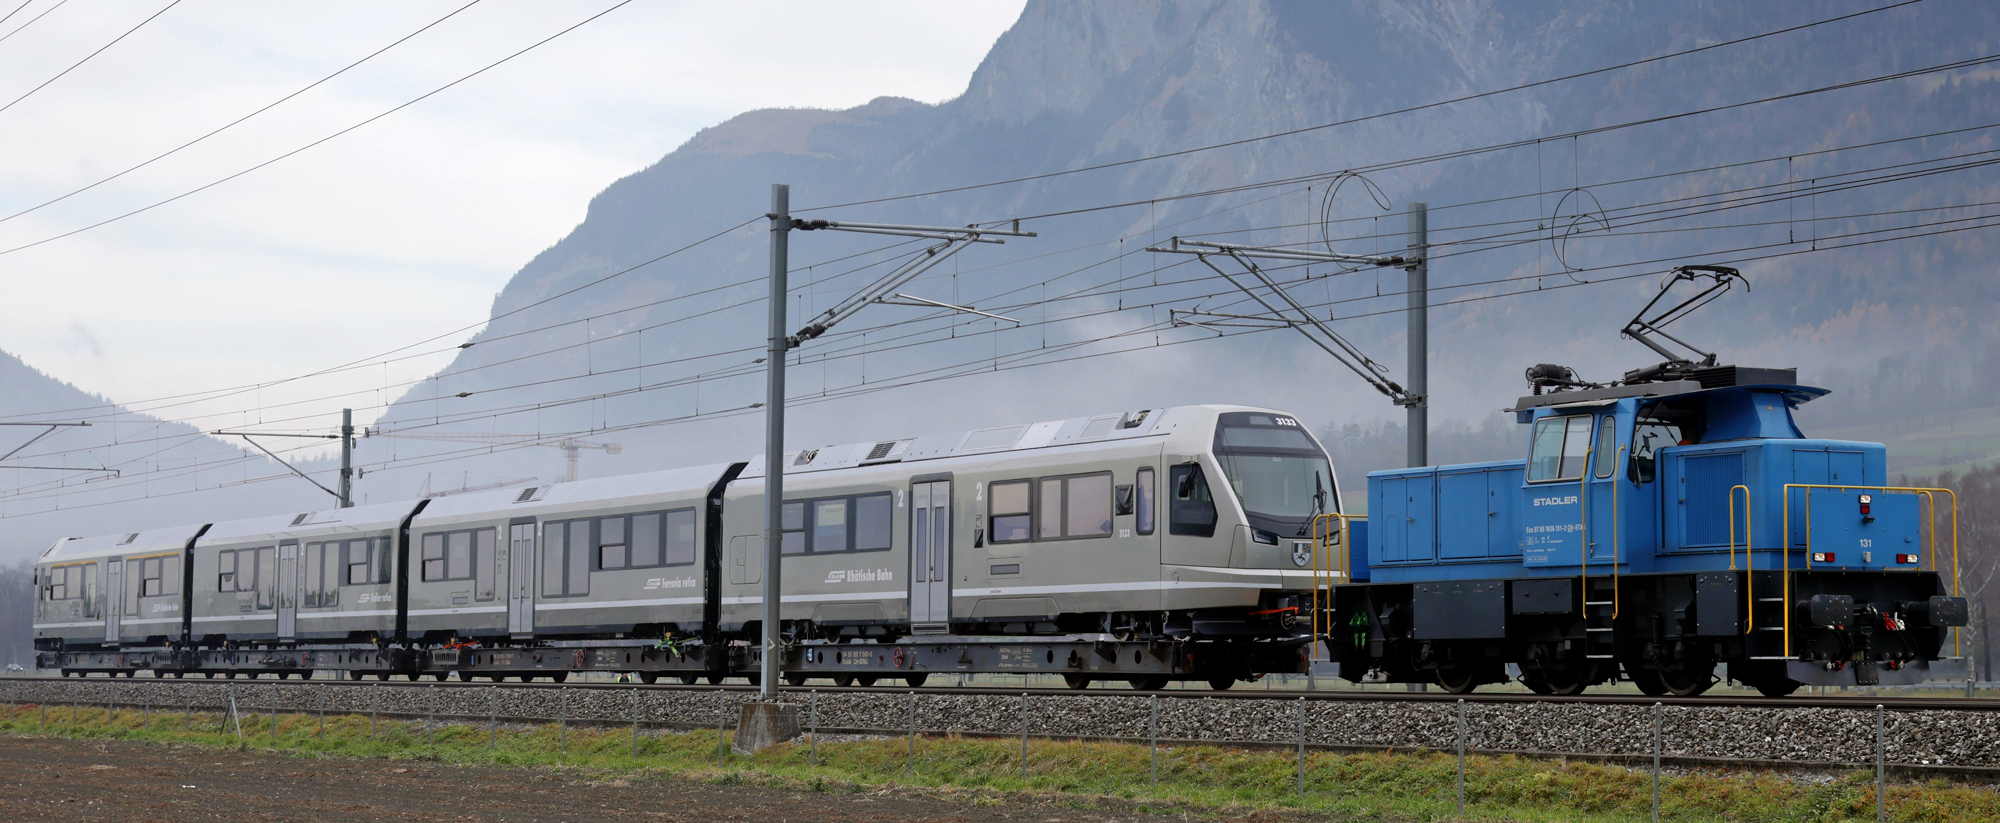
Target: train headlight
1906,558
1867,508
1822,557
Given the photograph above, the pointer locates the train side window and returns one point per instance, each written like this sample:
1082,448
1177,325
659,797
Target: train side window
313,556
1048,509
1143,501
1192,512
482,563
1009,511
829,531
134,581
1606,453
434,566
382,547
52,586
553,544
794,529
357,557
611,553
873,518
225,571
267,576
458,556
1558,448
680,537
645,543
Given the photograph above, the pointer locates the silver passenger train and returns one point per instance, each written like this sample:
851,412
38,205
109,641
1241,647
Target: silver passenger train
1185,525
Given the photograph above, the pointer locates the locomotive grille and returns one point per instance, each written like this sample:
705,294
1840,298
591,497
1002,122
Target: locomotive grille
881,450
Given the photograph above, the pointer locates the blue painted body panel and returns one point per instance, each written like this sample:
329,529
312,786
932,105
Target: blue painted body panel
1486,520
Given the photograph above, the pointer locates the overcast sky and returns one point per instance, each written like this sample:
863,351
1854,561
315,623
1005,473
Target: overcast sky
405,227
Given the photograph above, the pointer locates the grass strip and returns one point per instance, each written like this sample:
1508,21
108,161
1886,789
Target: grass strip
1203,780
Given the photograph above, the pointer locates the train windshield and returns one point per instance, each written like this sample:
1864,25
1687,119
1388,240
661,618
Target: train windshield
1278,473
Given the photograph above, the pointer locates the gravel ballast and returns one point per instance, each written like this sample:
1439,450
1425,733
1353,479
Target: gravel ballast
1941,737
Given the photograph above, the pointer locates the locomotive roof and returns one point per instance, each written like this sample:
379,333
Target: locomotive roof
172,538
307,525
602,492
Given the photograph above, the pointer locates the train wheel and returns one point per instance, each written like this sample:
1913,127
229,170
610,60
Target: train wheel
649,678
559,676
1457,680
1650,683
715,680
209,675
1221,684
354,674
1688,683
527,678
1560,683
916,681
865,681
754,679
1076,681
796,679
1149,683
690,679
843,680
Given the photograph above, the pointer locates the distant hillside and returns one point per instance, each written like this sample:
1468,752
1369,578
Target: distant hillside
1077,84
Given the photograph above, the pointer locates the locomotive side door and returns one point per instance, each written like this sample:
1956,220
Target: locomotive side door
930,552
289,571
521,578
114,585
1607,544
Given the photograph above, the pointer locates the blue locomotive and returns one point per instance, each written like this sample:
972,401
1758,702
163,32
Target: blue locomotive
1660,525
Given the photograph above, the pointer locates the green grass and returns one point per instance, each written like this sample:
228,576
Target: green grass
1203,780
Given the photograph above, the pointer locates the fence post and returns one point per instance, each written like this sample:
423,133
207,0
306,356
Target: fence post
374,708
1024,733
1153,738
1881,810
431,722
913,734
149,709
321,733
718,728
812,724
635,722
1656,763
274,715
492,717
1461,757
1302,748
564,720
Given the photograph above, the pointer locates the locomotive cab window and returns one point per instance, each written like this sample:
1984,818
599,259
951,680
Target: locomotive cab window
1192,512
1605,456
1557,451
1649,436
1277,471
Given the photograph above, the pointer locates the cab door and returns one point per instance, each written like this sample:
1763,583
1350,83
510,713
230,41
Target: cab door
521,578
289,572
930,553
114,585
1602,496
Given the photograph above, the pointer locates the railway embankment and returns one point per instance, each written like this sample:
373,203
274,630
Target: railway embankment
1955,738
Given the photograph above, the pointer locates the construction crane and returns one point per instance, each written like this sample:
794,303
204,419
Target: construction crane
571,446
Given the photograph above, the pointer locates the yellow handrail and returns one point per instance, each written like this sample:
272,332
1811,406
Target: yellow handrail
1787,547
1325,564
1749,560
1617,533
1583,550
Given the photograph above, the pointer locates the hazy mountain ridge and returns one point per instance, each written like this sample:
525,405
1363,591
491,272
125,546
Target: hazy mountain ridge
1079,84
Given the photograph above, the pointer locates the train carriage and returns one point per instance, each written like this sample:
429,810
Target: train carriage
1184,522
312,576
112,590
611,557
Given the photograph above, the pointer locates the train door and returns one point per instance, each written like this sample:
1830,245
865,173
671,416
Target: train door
289,571
930,552
1603,496
114,584
521,578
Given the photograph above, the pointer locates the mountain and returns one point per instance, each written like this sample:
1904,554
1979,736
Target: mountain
661,358
188,475
1553,211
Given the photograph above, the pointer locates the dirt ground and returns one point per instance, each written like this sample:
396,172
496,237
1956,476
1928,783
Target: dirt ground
55,779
